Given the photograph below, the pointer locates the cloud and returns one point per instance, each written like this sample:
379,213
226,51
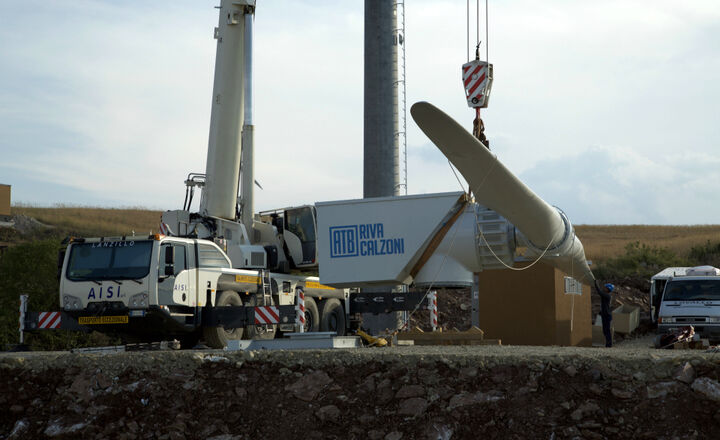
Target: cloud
609,185
111,101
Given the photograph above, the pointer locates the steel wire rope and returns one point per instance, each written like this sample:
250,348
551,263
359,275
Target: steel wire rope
452,168
442,263
452,242
437,273
467,30
487,34
483,235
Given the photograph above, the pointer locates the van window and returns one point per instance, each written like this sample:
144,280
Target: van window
692,290
210,256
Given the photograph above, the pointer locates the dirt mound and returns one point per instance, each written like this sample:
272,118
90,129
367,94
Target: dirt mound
454,311
24,224
633,292
434,393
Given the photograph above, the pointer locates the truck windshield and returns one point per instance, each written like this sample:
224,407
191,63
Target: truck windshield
109,260
692,290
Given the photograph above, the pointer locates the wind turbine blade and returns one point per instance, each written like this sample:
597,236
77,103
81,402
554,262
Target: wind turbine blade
499,189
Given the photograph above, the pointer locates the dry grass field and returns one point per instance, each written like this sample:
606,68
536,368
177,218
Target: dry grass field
87,221
607,241
600,241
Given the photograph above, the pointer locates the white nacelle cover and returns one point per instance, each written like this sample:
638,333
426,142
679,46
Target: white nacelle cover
377,241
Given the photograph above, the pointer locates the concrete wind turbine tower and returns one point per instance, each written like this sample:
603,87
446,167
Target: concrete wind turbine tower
381,176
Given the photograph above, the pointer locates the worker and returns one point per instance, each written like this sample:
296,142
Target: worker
605,312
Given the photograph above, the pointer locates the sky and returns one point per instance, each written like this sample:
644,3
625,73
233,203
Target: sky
607,110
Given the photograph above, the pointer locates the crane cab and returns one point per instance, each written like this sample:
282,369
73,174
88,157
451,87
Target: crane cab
298,228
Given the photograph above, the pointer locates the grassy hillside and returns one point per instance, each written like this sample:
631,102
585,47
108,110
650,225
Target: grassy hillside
601,241
93,222
608,241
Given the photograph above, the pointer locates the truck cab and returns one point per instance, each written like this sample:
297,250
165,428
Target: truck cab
157,287
151,281
693,300
657,285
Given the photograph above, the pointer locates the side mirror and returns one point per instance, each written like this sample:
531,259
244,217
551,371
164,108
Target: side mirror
169,261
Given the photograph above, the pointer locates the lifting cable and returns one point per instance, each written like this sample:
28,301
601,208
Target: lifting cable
478,125
432,283
477,30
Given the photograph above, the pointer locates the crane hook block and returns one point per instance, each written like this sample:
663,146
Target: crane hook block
477,80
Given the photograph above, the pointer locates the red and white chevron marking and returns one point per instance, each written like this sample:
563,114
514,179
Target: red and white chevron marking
164,229
300,319
432,305
267,315
49,320
475,81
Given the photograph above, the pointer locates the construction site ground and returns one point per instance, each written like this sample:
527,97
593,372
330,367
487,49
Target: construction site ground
429,392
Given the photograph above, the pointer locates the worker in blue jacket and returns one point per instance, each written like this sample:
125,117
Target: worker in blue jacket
605,312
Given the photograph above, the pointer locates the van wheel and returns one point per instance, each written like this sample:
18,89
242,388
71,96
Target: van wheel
218,337
332,318
312,316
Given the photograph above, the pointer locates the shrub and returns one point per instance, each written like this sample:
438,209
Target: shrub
31,269
639,260
706,254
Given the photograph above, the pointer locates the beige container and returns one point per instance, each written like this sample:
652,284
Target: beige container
530,307
626,318
4,199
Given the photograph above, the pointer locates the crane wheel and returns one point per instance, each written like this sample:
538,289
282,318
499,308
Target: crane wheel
332,318
312,315
218,337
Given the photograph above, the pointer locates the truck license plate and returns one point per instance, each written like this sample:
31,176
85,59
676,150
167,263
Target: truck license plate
89,320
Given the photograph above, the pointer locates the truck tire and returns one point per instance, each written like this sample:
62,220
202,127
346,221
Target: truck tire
312,315
218,337
332,318
258,332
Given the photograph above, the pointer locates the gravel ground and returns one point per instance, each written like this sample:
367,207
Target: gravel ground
428,392
629,391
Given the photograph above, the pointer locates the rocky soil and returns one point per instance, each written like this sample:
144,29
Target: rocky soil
474,392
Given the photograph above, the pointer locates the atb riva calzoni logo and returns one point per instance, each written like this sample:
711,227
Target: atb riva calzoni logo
363,240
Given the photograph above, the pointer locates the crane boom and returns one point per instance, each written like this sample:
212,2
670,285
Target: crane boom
219,196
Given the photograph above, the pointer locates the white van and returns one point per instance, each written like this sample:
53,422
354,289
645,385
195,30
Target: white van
657,285
693,299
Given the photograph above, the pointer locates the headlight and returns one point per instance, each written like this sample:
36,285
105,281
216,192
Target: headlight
71,303
712,319
139,301
667,320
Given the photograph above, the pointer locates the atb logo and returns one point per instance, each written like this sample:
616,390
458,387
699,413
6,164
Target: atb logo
366,240
344,241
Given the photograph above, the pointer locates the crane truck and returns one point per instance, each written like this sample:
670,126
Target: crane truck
224,272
